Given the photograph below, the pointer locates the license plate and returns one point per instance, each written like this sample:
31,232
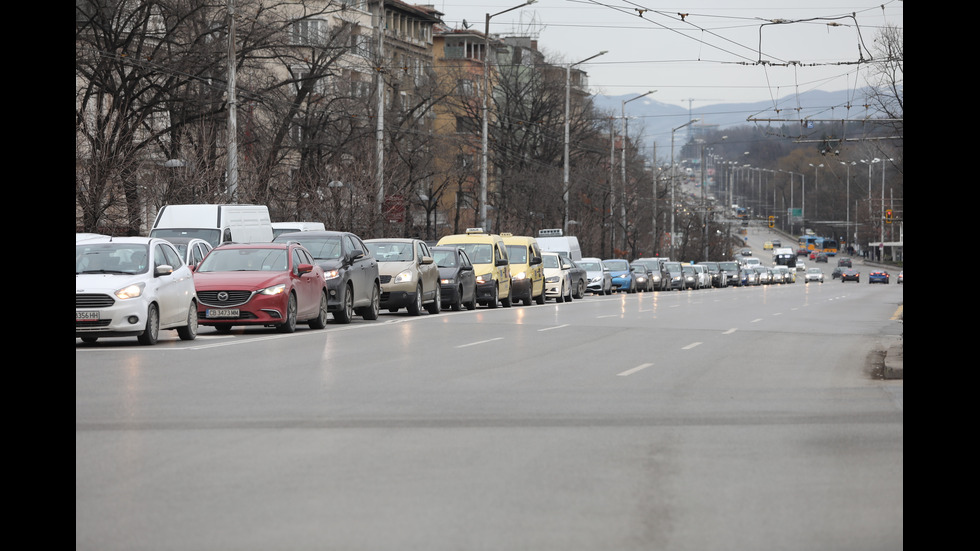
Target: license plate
86,316
221,313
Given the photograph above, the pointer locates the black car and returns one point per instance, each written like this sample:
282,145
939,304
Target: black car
353,283
822,257
844,262
848,274
456,277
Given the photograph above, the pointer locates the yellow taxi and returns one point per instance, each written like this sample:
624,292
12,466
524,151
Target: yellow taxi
488,254
767,245
526,269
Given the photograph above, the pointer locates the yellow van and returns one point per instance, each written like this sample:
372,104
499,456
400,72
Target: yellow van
488,254
526,269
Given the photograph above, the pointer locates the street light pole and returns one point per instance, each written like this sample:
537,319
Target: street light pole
568,101
622,202
673,204
486,86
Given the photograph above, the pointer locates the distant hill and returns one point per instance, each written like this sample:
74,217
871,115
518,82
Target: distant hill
658,119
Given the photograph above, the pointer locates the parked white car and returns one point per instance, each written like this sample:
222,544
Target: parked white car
557,281
132,286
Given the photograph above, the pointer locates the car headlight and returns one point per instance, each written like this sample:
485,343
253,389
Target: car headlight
484,278
405,276
520,275
447,281
553,279
130,291
274,290
330,274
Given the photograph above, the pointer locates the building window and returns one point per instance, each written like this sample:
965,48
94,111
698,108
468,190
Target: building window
309,32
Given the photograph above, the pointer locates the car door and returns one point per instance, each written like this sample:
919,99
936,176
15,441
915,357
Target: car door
173,289
428,270
362,269
304,285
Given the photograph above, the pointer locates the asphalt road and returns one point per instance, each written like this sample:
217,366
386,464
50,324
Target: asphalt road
743,418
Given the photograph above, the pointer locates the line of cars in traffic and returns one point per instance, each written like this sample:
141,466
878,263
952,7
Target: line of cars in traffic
138,286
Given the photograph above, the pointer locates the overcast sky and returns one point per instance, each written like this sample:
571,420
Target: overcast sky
719,51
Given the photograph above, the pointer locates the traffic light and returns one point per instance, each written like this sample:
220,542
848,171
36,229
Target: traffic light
888,216
772,220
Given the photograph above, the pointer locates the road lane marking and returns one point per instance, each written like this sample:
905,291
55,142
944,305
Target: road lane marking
692,345
480,342
730,331
629,372
555,327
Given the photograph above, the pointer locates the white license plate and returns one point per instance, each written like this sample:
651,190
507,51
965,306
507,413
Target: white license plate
221,313
86,316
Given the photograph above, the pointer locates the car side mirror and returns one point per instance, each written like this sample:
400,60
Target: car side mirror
162,270
426,260
502,262
304,268
535,260
466,268
355,254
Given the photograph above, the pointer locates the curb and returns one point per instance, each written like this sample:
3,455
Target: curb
894,360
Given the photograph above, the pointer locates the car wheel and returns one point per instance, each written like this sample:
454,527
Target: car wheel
320,321
509,299
189,331
457,304
151,333
415,308
436,305
346,312
374,310
471,305
289,325
540,298
561,295
493,298
581,290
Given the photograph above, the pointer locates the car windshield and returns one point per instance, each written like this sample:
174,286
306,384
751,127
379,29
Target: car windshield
245,260
813,271
590,266
111,258
391,251
617,265
672,267
323,248
728,266
687,269
444,259
517,254
550,261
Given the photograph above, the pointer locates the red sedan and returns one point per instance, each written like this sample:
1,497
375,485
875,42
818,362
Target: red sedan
268,284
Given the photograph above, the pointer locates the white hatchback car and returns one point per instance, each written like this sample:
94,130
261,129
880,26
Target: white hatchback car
813,274
132,286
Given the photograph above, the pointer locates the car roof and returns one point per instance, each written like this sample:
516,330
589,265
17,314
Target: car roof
392,240
312,233
263,245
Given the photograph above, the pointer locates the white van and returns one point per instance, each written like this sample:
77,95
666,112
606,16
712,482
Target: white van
215,224
279,228
552,240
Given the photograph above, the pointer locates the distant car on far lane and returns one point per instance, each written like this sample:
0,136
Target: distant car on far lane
850,274
878,276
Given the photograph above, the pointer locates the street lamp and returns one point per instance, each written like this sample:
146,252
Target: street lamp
568,101
673,204
847,206
486,85
816,187
622,203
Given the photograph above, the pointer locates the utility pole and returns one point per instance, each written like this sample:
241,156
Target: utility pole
232,109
